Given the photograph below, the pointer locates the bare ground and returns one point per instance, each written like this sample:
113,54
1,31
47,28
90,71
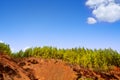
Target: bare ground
49,69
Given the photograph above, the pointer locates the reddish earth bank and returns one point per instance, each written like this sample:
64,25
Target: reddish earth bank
49,69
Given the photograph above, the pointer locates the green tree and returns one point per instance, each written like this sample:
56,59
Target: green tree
28,52
5,49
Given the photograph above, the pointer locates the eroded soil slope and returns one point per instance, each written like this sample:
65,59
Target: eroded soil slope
49,69
9,70
34,69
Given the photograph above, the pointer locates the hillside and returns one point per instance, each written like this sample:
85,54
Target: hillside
49,69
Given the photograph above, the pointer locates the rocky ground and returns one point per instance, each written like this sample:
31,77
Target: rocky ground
49,69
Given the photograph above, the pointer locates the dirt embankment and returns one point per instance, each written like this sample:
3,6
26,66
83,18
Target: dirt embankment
9,70
48,69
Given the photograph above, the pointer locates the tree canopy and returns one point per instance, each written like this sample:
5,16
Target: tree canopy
96,59
5,48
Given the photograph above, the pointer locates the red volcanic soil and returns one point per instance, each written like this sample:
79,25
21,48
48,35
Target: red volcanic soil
49,69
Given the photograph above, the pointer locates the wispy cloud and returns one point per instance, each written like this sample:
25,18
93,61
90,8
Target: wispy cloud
26,48
91,20
1,41
105,10
13,50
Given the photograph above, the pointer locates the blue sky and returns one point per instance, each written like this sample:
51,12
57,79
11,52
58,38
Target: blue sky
57,23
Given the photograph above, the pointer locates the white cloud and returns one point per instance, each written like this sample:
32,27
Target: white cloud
25,48
105,10
1,41
91,20
13,50
94,3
